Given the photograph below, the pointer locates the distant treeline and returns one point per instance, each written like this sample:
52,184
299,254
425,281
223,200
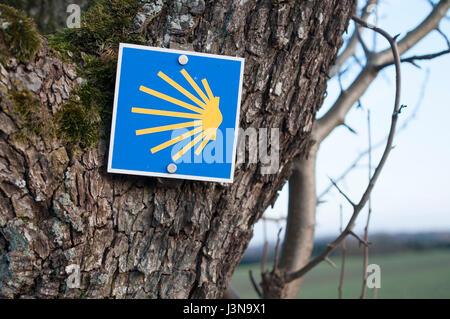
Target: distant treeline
379,244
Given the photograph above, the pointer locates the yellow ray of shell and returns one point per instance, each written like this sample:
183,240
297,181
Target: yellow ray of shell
168,127
195,86
181,89
176,139
208,89
188,146
166,113
170,99
204,142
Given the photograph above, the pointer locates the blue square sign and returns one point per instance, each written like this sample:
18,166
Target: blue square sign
176,114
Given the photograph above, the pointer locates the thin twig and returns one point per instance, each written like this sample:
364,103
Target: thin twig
348,127
353,165
275,258
255,285
343,255
413,59
343,175
365,48
444,36
342,193
358,61
374,48
360,240
366,229
358,207
349,50
337,112
330,262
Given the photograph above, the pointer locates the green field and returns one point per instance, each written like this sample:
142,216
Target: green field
420,274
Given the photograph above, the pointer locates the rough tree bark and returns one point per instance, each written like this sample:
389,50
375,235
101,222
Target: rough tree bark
145,237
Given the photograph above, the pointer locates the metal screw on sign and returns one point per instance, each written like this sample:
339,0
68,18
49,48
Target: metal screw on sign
183,60
171,168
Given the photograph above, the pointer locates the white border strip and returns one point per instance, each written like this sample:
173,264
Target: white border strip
116,99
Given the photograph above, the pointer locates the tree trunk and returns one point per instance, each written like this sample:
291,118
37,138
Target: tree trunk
139,237
299,237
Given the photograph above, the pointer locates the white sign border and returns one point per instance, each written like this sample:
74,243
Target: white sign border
116,98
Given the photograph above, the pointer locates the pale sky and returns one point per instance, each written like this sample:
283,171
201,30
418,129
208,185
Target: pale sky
413,191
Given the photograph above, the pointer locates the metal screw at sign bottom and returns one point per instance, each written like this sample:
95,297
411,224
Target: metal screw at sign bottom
182,59
171,168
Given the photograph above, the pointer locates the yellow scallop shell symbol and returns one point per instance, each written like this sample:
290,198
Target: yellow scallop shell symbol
207,116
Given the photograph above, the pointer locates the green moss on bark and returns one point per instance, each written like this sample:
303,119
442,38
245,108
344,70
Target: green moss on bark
78,121
94,49
29,109
103,27
18,36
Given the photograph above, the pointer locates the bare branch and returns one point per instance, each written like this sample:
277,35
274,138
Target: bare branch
349,50
275,258
430,23
366,50
374,44
415,58
340,74
358,61
360,240
431,3
343,255
330,262
342,176
357,208
380,143
335,116
348,127
426,56
395,113
444,36
342,193
366,229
